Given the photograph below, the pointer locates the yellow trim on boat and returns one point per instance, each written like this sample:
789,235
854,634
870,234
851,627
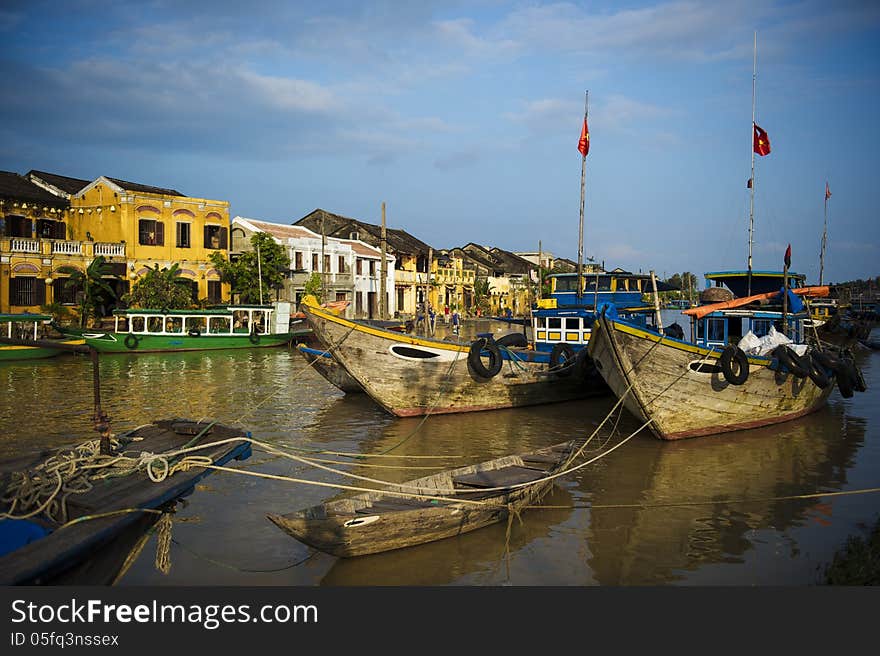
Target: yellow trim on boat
387,334
572,337
555,336
542,334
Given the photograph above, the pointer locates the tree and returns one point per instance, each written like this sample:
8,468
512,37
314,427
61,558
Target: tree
482,293
251,278
161,289
313,287
93,290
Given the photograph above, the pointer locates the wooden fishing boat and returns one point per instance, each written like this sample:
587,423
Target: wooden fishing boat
431,508
410,375
29,327
71,547
710,385
335,373
227,327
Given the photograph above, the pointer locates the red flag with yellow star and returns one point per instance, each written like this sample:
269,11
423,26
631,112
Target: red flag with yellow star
584,143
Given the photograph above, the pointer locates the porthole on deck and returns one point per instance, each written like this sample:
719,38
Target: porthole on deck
702,367
409,352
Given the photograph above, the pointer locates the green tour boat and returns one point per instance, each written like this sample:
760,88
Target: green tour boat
226,327
28,327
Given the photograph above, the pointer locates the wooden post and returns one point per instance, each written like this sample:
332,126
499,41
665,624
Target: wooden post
540,276
656,303
383,271
785,300
323,273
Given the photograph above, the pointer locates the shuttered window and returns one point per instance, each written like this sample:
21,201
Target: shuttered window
216,237
151,232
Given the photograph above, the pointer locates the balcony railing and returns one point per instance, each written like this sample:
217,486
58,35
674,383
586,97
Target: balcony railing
67,247
21,245
109,249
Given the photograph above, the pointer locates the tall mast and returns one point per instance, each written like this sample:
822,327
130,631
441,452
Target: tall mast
581,227
824,235
752,179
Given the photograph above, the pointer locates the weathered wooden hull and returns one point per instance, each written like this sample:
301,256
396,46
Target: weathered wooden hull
374,522
125,343
334,372
656,377
412,376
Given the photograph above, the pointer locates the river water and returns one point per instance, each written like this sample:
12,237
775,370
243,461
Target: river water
721,510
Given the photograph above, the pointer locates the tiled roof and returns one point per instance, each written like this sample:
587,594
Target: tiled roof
339,226
363,249
281,231
134,186
62,182
16,187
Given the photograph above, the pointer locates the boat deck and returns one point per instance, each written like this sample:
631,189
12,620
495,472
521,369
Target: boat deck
44,559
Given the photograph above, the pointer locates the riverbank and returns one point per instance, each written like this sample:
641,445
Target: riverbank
857,562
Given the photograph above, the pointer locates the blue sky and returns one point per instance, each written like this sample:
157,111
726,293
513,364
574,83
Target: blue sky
464,117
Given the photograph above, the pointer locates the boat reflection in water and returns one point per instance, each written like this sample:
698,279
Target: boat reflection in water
653,513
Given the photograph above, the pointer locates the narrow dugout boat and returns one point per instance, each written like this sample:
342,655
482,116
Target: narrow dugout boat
332,371
431,508
85,535
411,376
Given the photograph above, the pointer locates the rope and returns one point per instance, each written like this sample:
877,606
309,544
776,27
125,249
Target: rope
163,544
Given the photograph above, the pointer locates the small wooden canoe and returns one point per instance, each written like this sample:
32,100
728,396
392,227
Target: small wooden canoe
431,508
329,368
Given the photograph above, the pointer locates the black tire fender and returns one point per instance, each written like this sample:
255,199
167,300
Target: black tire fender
734,365
131,341
254,337
790,360
513,339
562,359
818,372
585,366
475,359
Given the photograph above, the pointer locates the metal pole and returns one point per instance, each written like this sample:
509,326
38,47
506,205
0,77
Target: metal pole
581,226
752,188
824,234
260,274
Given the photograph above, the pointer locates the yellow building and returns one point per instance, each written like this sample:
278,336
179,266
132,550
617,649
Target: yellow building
156,226
51,223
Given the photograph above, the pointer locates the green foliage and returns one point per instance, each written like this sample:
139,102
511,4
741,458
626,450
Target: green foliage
60,313
858,563
251,278
94,292
313,286
161,289
482,294
686,283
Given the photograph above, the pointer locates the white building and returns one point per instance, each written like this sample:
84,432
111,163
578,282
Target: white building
349,269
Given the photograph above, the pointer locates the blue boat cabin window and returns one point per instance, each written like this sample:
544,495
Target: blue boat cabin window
604,284
566,284
572,323
711,331
554,323
539,321
760,327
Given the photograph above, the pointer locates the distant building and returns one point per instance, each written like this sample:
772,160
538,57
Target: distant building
413,257
349,268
